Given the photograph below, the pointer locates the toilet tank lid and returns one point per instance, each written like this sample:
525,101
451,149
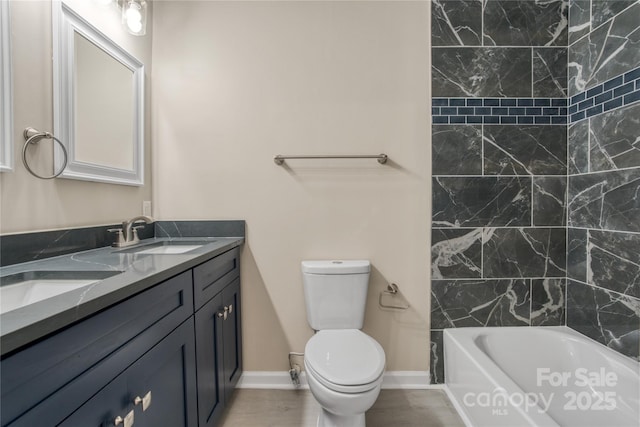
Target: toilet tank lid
336,267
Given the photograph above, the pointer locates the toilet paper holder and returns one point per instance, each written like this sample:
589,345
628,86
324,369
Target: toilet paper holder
392,291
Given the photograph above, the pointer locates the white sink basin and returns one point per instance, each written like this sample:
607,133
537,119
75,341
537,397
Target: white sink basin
168,247
166,250
25,293
27,288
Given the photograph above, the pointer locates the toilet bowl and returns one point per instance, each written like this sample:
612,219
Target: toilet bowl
344,365
344,371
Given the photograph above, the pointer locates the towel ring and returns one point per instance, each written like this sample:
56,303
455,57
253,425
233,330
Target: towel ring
34,136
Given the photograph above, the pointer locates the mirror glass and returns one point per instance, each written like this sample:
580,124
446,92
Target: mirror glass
104,107
6,98
98,98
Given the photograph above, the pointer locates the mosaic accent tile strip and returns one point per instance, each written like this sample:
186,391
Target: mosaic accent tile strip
617,92
546,111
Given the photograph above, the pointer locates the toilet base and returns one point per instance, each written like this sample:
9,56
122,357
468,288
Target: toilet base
327,419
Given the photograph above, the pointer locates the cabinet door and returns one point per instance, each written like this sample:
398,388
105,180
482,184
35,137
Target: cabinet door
162,384
232,338
209,361
164,378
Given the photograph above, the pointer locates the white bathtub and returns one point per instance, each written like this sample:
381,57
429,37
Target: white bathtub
539,376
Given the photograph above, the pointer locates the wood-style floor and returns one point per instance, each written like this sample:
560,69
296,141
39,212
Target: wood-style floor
297,408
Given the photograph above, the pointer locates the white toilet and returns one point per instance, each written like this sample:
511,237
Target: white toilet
344,365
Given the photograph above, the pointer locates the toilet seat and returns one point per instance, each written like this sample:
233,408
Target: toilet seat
345,360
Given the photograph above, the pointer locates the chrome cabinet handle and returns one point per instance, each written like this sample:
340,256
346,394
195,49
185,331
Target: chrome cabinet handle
127,421
146,401
224,313
230,308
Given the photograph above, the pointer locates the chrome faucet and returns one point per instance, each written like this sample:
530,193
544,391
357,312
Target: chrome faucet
128,234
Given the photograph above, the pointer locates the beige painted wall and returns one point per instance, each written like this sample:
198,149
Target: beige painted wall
28,203
235,83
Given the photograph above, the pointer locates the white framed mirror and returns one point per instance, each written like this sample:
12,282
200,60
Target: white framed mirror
98,103
6,95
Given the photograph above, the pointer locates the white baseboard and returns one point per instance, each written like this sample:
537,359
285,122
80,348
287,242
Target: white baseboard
274,380
416,380
280,380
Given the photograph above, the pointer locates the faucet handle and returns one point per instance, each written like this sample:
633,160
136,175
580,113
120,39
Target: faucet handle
135,237
119,235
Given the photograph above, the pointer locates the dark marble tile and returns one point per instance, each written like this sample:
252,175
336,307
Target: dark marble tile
577,254
525,150
603,10
606,200
456,22
525,23
550,72
614,261
579,19
223,228
524,252
549,200
608,51
462,303
547,302
18,248
456,150
456,253
475,72
615,139
579,147
607,317
437,357
481,201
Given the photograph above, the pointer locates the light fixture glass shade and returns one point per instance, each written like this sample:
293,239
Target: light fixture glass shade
134,16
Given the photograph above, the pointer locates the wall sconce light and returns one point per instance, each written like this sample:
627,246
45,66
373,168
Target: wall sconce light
134,14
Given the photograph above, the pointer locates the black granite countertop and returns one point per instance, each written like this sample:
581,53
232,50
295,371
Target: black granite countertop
138,272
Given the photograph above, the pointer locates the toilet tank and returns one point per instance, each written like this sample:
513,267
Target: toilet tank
335,293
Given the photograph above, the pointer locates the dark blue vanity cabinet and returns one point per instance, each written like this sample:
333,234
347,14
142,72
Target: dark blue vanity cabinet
158,390
149,359
218,334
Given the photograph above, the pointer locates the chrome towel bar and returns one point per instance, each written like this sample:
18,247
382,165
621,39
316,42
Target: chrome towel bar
382,158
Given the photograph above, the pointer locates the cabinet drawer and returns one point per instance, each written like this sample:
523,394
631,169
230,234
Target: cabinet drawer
212,276
53,377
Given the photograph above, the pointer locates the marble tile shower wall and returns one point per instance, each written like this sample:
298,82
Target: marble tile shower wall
499,186
522,206
603,260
